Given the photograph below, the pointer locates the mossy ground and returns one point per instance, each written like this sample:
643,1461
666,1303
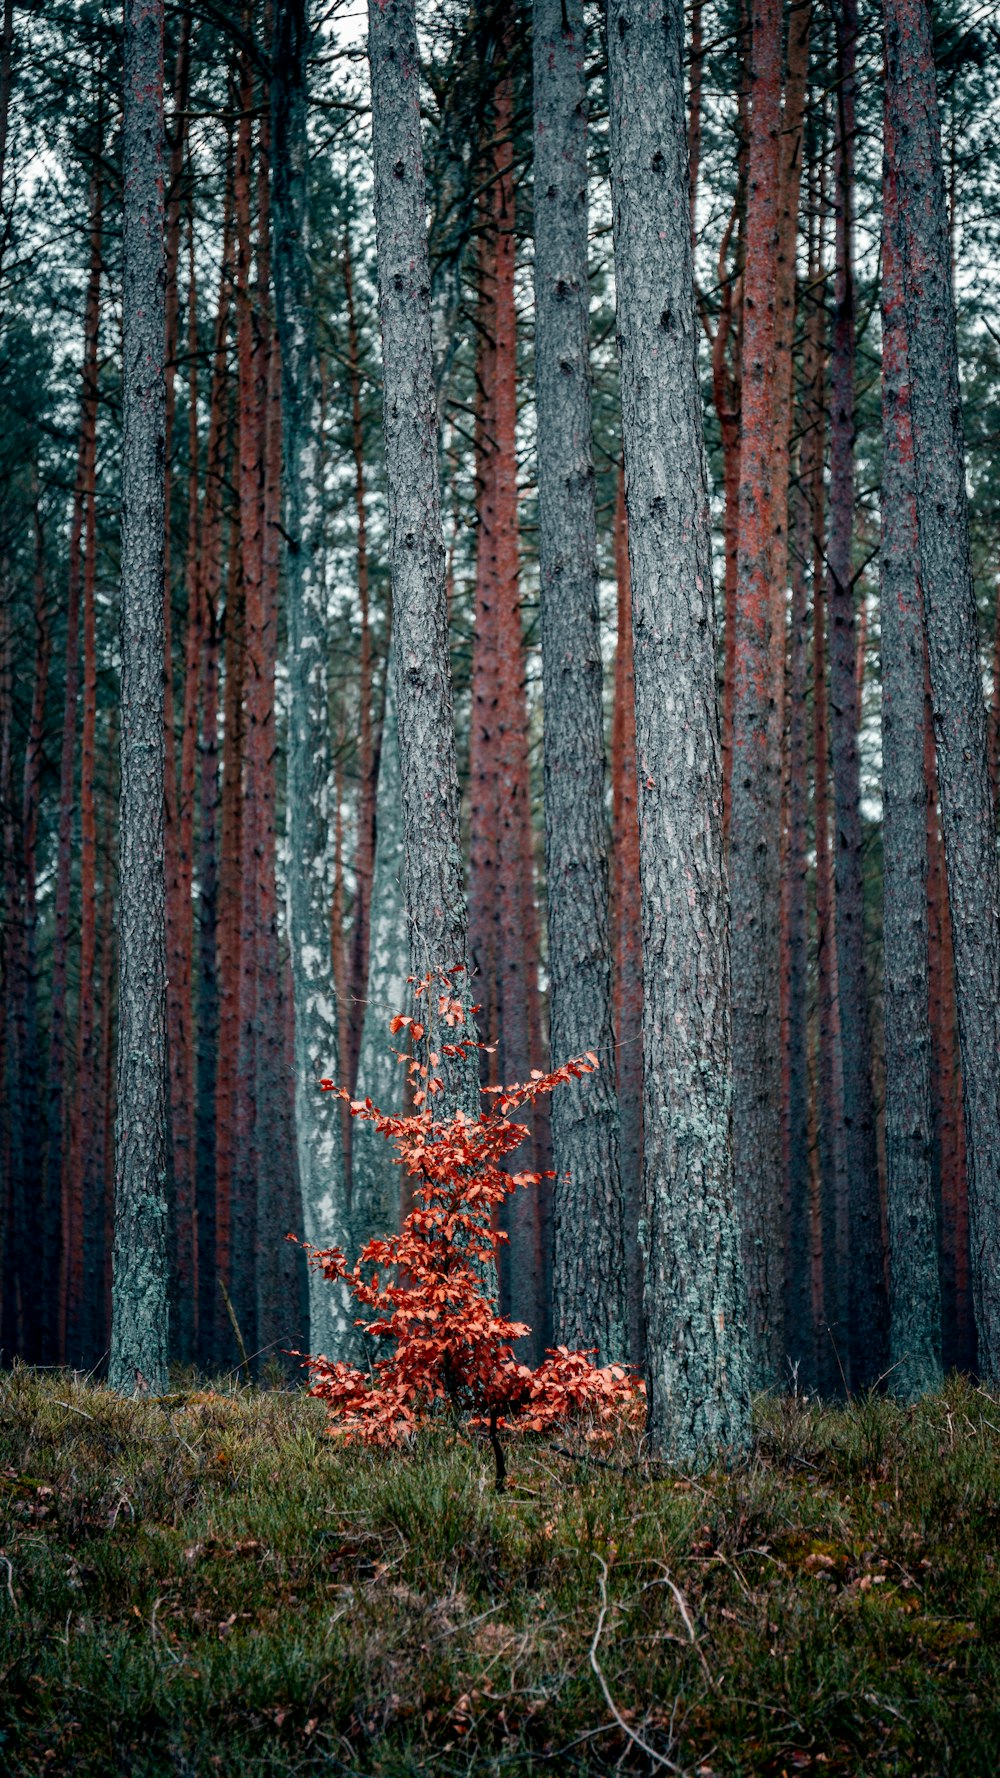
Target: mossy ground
210,1585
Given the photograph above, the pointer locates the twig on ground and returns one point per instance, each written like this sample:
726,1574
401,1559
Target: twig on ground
659,1759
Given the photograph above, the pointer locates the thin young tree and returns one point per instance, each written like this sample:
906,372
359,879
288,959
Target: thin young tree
435,893
967,815
915,1294
138,1359
589,1278
317,1120
627,938
755,787
697,1353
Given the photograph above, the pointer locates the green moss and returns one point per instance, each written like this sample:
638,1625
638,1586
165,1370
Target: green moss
209,1585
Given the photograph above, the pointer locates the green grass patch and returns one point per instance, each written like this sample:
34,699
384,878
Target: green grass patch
209,1585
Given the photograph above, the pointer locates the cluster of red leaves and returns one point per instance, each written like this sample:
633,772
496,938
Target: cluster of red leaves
427,1289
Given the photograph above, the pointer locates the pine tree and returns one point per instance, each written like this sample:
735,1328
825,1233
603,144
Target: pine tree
589,1280
697,1354
139,1321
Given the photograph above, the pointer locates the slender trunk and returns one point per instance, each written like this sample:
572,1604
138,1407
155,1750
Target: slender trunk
589,1277
80,1332
627,929
868,1318
178,1025
12,1173
180,1008
915,1299
276,1327
755,792
231,851
833,1357
139,1313
435,896
317,1121
57,1163
792,717
697,1352
483,812
375,1182
958,1333
41,1229
518,1022
364,849
799,1317
218,449
959,712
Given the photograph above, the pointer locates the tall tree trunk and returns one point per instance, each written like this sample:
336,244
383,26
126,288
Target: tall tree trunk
755,791
627,929
57,1162
589,1278
83,1185
799,1318
967,814
139,1313
41,1232
317,1120
181,932
364,849
697,1353
178,1022
519,1020
792,707
435,896
867,1330
483,899
218,452
228,1088
915,1296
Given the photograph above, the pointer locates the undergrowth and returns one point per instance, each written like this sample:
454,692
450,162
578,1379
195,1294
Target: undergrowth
210,1585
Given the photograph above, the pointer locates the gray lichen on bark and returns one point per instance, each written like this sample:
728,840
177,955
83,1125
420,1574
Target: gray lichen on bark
697,1348
915,1291
589,1278
138,1360
435,891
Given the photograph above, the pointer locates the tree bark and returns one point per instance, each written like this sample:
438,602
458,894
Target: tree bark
85,1181
375,1182
364,849
58,1166
868,1317
317,1120
435,895
755,790
915,1296
590,1304
967,814
697,1353
139,1315
627,929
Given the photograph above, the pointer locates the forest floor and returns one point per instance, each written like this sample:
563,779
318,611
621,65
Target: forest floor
209,1585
